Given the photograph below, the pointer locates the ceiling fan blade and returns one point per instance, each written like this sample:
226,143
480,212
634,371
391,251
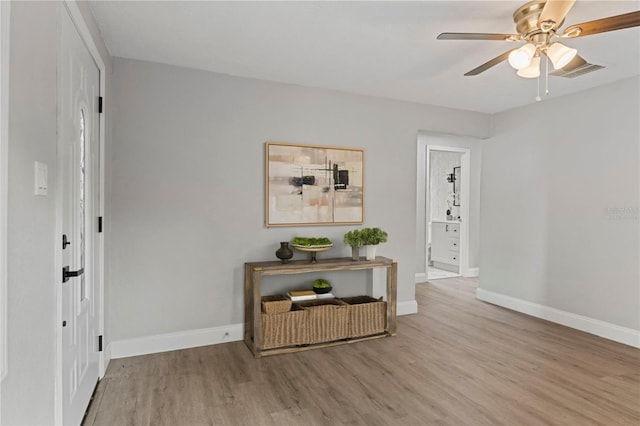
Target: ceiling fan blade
553,13
577,67
611,23
479,36
576,62
489,64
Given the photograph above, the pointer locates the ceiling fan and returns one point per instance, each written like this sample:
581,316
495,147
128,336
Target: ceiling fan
537,23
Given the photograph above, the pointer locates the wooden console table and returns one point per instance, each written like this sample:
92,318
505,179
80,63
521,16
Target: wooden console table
254,271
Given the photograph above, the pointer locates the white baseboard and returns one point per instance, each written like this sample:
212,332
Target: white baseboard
627,336
446,267
176,341
472,272
407,308
194,338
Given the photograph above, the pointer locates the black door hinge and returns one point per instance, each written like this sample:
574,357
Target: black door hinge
100,104
99,223
100,343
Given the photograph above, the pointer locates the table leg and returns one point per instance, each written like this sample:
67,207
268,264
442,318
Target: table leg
257,313
248,307
392,286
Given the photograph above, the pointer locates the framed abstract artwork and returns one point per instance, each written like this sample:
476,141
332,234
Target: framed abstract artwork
313,185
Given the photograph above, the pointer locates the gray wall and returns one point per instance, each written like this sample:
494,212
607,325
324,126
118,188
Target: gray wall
560,196
188,185
28,390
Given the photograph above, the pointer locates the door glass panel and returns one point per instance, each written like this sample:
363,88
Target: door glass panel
81,196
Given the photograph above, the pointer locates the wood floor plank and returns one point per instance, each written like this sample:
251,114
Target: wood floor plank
127,401
458,361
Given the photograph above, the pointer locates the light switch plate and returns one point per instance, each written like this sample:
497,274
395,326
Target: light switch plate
40,180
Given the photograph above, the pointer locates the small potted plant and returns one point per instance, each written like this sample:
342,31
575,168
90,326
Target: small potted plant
321,286
354,240
371,237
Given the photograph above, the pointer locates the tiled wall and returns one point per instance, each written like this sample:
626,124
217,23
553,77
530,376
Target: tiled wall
441,191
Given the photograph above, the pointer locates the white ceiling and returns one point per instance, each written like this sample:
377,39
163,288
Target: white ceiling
384,49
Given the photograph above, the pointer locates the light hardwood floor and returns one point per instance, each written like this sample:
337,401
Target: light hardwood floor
459,361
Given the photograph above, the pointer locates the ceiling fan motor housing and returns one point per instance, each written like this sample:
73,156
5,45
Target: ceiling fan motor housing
526,19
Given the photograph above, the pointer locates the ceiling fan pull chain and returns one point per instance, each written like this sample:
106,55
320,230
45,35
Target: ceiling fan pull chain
546,75
538,98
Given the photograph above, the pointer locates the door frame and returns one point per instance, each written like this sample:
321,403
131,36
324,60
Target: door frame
465,167
5,11
72,8
424,148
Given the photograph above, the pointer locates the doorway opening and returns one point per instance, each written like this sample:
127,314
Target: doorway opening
443,210
444,214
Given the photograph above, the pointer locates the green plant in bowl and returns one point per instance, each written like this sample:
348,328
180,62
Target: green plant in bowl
321,286
311,242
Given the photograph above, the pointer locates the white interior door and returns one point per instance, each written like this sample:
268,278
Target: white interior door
78,133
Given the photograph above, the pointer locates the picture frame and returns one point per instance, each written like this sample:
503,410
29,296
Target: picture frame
313,185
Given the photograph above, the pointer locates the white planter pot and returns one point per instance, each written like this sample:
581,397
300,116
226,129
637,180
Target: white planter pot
370,252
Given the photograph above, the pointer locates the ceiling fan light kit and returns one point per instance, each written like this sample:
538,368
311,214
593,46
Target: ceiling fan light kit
560,54
521,58
537,23
531,71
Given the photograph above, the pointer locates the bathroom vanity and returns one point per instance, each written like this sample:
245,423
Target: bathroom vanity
445,245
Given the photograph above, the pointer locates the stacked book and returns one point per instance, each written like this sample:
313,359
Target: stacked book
300,295
325,296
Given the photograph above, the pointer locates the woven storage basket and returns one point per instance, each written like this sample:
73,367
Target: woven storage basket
275,304
285,329
328,320
367,315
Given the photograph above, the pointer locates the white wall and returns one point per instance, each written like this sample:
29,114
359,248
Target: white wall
28,390
188,185
475,148
553,176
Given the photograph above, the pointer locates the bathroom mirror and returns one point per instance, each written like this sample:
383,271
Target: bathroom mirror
456,186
